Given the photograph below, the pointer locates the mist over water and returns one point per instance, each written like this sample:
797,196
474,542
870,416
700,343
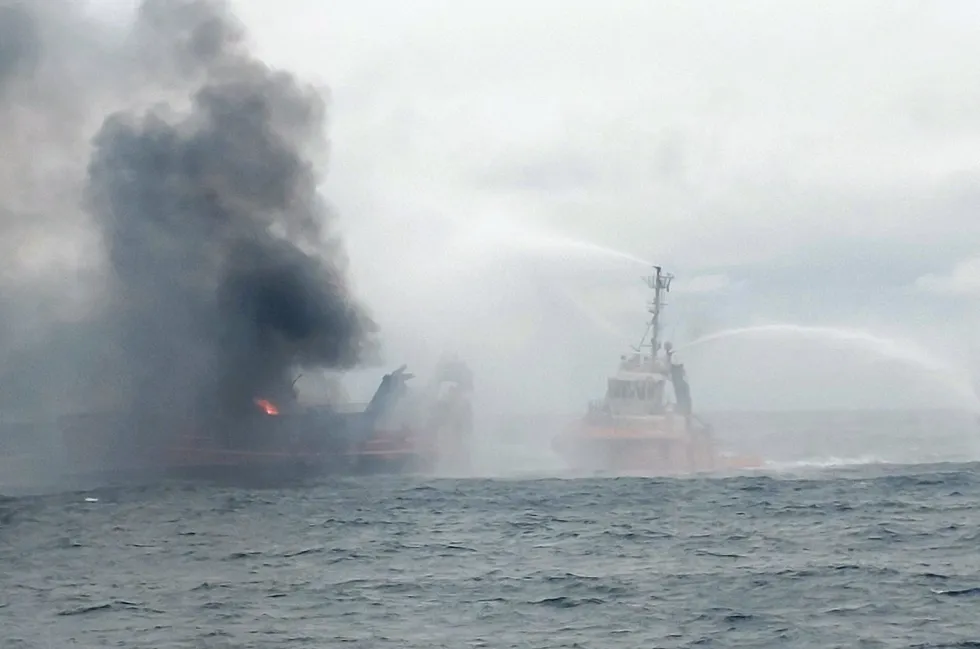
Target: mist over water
861,398
906,352
543,318
169,246
589,306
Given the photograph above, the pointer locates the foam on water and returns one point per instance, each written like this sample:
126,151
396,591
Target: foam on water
825,463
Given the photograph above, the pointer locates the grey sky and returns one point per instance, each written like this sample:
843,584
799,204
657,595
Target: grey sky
810,162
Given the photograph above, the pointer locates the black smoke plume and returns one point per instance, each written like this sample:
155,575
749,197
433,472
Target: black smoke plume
210,274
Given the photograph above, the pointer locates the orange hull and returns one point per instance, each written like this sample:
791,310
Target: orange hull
663,450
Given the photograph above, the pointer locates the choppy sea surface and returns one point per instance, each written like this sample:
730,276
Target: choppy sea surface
867,556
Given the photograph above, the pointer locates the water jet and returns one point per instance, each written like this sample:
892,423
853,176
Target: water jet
907,352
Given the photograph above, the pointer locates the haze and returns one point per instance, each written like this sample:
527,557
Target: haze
812,164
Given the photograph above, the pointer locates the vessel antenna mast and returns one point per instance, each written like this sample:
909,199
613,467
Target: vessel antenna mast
660,283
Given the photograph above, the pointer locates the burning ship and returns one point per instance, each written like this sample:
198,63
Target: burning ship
637,428
399,430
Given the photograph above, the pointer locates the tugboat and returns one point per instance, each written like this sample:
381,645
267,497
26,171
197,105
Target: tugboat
637,428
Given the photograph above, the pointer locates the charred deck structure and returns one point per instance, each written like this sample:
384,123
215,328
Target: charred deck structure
399,430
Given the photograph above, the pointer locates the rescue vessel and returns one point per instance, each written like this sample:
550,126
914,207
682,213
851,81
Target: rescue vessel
645,424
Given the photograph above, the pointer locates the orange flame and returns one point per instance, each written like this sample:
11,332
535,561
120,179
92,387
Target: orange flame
266,405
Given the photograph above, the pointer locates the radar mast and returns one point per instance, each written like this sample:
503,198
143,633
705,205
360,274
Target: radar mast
659,281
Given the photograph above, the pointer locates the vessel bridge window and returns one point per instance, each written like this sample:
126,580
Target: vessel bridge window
644,390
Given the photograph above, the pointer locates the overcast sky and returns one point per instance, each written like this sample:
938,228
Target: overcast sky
810,163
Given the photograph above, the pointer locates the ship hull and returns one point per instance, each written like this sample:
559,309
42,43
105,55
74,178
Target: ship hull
90,449
666,447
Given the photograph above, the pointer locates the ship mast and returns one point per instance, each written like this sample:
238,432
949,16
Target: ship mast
660,283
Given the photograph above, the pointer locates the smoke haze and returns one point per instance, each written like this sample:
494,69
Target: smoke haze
712,140
167,252
156,176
